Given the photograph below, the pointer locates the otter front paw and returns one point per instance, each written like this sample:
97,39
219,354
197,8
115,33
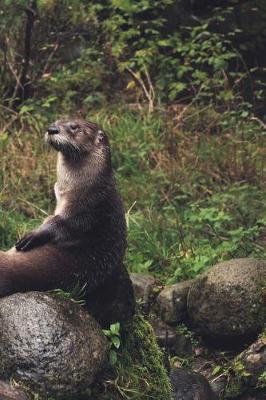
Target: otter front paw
33,239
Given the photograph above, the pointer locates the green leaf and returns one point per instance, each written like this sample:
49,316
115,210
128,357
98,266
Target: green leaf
112,357
115,329
116,341
217,370
107,333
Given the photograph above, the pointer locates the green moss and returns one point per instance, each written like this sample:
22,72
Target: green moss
140,373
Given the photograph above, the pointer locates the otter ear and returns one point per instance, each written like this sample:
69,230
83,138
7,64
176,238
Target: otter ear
100,137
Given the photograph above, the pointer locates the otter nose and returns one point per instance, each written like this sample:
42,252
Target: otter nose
53,130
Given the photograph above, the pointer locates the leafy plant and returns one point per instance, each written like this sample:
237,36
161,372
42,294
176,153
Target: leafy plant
113,335
76,295
190,60
184,330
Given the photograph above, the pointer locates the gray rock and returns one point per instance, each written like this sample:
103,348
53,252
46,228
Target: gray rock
176,343
253,360
228,300
189,385
50,344
144,286
172,302
247,369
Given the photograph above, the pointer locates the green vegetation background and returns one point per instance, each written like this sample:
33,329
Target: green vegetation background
181,100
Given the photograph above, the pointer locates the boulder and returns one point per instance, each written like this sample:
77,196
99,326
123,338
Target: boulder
50,345
172,302
229,300
144,287
189,385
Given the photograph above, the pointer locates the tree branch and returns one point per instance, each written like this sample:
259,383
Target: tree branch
23,88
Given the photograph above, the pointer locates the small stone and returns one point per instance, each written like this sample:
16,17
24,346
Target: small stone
189,385
144,289
172,302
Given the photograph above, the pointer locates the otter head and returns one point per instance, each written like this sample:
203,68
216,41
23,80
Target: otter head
78,138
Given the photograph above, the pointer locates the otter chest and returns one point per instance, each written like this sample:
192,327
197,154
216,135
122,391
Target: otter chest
61,199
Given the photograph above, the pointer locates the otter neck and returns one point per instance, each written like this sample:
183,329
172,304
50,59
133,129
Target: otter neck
81,173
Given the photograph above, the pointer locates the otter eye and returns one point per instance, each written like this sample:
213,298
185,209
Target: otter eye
73,127
100,136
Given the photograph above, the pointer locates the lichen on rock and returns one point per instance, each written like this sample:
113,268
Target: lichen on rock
228,300
172,302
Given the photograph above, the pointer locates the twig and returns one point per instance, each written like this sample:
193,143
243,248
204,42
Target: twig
129,211
31,12
8,109
218,377
147,92
50,57
259,121
151,90
33,205
179,117
10,62
10,122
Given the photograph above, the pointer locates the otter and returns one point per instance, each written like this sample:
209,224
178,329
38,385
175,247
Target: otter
84,241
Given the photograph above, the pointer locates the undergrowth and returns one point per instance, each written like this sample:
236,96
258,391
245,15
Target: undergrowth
194,195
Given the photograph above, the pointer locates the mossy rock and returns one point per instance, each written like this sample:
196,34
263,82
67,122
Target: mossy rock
228,300
139,373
